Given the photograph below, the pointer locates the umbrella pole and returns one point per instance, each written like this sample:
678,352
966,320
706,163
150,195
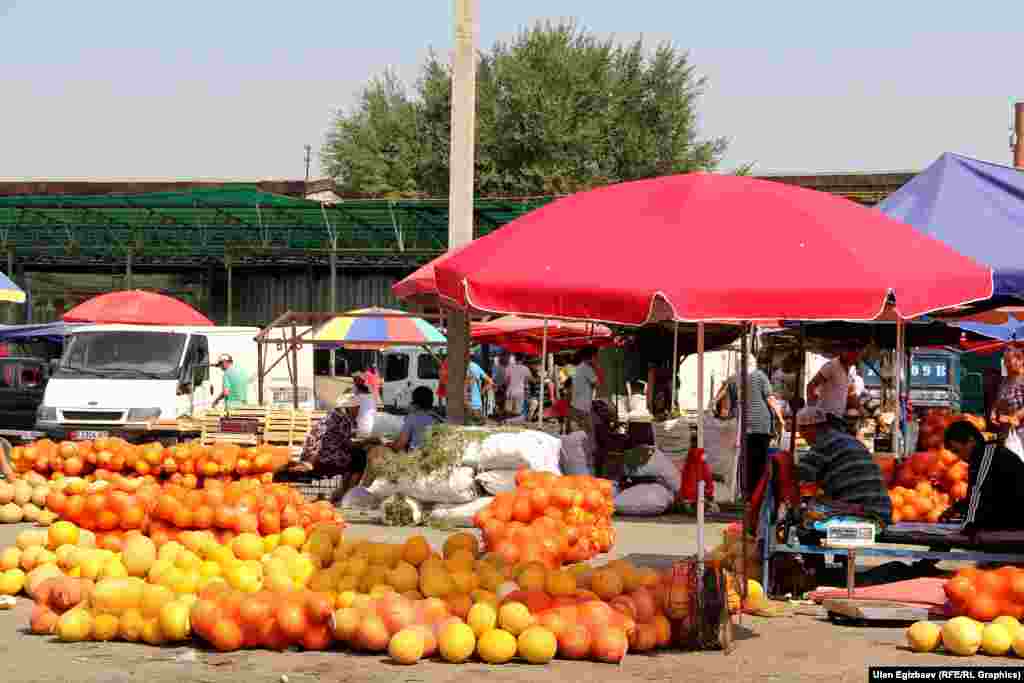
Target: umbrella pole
797,403
675,367
744,465
543,373
700,385
897,429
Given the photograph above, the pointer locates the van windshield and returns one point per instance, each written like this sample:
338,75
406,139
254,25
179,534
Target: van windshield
145,355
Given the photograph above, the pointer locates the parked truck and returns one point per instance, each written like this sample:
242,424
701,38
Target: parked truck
934,379
137,381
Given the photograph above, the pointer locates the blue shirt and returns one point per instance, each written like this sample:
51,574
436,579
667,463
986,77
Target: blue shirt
415,425
475,375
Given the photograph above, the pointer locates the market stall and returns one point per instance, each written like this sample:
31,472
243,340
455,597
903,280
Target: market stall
811,238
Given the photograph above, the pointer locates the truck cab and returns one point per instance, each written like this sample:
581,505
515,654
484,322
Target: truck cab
934,379
404,369
134,381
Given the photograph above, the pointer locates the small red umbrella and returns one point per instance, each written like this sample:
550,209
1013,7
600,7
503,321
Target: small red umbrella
525,335
702,247
135,307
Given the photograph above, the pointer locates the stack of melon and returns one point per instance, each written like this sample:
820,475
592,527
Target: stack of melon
24,500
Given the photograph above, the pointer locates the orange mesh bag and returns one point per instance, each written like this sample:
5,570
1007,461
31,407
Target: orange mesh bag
696,605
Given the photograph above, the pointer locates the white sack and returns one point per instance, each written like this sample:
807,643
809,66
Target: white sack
662,467
644,499
360,498
497,481
448,486
451,486
401,510
459,515
517,450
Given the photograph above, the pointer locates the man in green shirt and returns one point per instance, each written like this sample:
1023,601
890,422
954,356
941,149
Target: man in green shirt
235,383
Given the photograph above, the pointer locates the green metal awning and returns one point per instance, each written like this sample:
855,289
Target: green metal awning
236,222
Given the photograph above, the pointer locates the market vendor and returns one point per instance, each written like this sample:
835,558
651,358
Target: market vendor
235,389
830,387
995,478
418,421
841,465
329,448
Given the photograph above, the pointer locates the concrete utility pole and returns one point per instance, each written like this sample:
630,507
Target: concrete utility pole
305,186
460,190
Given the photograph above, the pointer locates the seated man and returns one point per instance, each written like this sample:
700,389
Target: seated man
841,465
414,429
995,478
419,419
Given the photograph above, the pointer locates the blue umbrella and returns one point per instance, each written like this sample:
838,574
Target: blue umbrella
10,291
1011,330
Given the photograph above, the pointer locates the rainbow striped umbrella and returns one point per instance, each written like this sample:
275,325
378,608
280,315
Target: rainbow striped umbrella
9,291
375,328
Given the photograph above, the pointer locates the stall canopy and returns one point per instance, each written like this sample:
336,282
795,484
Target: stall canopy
977,208
135,307
703,247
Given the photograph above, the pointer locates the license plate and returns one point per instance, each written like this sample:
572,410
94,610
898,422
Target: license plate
88,436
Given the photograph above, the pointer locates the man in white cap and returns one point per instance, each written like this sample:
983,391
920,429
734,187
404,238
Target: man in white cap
841,465
236,383
830,387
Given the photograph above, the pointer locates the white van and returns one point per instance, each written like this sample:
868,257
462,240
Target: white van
120,379
405,368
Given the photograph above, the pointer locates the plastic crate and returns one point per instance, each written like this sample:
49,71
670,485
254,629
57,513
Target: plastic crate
239,425
319,487
284,396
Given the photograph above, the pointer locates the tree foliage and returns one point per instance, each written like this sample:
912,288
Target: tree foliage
558,110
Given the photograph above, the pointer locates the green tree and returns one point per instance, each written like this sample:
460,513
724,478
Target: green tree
558,110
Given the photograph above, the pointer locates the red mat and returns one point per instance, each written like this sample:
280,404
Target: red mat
924,591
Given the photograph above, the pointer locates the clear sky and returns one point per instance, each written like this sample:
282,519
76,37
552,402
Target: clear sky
225,89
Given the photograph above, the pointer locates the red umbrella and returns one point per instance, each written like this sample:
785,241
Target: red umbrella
525,335
421,286
135,307
703,247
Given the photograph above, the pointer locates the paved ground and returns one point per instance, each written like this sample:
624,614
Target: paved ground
794,648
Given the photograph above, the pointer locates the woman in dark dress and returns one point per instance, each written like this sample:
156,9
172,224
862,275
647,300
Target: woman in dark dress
329,449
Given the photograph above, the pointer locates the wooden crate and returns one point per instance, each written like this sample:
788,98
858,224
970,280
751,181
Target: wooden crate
211,427
289,427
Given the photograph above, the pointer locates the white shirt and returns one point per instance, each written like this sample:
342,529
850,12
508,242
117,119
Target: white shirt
832,394
583,383
515,379
367,414
857,381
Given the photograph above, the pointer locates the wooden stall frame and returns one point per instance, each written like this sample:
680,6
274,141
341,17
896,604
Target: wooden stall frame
288,344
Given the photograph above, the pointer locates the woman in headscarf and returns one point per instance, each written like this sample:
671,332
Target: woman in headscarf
329,449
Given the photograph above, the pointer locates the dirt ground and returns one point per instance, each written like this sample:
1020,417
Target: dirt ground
791,648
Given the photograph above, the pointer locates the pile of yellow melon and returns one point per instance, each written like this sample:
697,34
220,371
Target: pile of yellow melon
964,637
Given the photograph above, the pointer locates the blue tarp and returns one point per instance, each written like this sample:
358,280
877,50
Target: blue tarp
974,206
55,331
